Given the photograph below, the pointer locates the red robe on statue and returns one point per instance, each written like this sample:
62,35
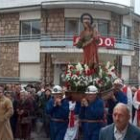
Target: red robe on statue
91,52
88,41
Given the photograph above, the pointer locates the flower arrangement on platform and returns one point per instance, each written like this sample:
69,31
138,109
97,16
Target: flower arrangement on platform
79,76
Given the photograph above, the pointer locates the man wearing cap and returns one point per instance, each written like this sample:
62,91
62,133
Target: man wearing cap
58,108
6,111
92,114
116,97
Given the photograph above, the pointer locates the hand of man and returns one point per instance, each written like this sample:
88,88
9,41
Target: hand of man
84,102
113,97
58,101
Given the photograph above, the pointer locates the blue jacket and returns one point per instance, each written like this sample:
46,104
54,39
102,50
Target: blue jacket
95,111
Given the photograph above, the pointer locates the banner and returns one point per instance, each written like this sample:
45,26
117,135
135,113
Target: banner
107,42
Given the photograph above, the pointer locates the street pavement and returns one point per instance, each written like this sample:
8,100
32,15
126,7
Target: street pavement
38,136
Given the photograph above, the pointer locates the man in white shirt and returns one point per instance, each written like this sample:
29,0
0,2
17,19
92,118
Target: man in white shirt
119,135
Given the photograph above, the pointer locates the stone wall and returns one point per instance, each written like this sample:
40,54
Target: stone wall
135,59
9,60
9,26
44,21
56,21
115,29
52,23
47,68
115,24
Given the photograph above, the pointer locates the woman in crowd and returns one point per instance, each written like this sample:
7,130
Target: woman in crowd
24,109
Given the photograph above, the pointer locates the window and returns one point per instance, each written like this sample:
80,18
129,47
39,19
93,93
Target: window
103,27
74,26
30,29
71,26
126,31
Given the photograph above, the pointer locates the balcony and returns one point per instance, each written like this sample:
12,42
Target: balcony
17,38
53,43
64,43
53,40
4,80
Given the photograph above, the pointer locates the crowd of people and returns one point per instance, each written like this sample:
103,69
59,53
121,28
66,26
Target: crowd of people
37,108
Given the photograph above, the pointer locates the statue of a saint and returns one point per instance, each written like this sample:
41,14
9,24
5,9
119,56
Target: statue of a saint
89,39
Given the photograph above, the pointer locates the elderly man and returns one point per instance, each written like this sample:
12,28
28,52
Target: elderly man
121,129
58,109
92,114
6,111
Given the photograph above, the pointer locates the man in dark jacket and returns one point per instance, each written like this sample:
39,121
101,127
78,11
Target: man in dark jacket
121,129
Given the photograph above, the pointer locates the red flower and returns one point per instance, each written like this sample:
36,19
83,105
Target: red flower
92,71
88,72
67,84
66,72
100,81
113,70
71,67
77,73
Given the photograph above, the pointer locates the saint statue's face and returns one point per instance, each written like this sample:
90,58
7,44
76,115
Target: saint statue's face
86,19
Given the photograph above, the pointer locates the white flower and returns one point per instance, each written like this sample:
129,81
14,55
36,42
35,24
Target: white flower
112,68
69,66
100,72
68,77
86,67
79,67
74,77
110,72
107,65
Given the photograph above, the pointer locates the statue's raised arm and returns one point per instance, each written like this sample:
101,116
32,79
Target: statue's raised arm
89,39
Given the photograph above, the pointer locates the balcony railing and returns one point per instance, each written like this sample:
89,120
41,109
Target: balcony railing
5,80
17,38
65,40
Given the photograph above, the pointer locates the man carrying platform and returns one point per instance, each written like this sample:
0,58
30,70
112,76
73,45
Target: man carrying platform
58,108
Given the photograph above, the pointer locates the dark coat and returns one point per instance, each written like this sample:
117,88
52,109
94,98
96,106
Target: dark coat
24,120
107,133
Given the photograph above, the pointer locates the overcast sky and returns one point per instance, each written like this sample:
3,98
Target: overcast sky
127,3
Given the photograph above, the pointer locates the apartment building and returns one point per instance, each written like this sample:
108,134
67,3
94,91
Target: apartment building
36,38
